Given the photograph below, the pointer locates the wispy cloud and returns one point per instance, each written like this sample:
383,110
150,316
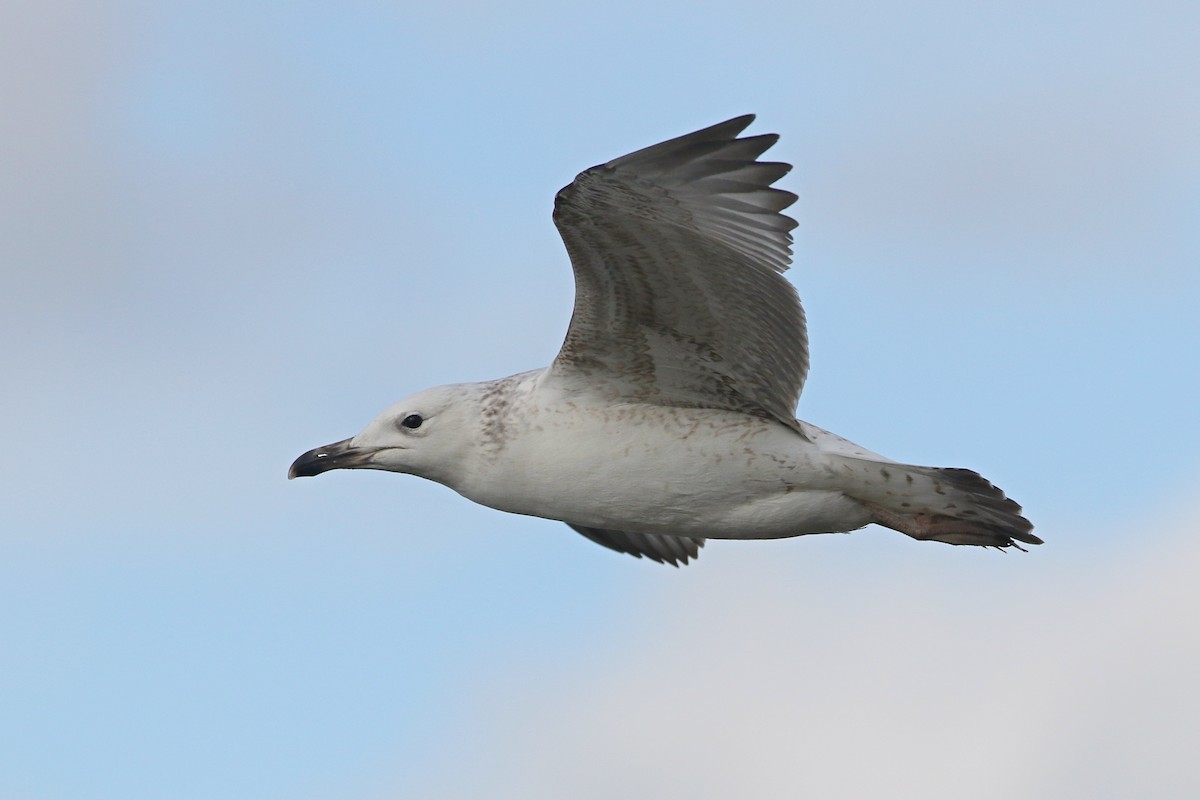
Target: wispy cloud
1041,676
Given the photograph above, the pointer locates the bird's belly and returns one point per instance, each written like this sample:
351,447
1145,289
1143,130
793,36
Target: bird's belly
710,474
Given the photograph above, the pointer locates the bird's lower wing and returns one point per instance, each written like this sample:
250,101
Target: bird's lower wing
673,550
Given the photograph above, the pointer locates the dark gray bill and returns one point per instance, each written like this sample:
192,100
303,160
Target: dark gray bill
339,455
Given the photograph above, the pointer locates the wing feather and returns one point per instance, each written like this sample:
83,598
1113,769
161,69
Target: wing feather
673,550
678,251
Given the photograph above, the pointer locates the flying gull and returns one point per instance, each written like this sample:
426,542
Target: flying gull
667,418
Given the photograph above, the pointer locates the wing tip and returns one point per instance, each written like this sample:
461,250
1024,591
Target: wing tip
719,134
738,123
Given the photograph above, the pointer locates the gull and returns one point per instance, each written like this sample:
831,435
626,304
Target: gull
667,417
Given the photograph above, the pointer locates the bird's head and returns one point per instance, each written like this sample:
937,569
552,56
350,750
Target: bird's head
424,434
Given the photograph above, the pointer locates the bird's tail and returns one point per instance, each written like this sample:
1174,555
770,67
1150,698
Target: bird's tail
956,506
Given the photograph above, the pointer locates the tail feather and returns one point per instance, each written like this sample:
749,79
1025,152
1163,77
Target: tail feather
956,506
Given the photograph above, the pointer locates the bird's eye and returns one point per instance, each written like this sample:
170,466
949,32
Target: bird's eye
412,421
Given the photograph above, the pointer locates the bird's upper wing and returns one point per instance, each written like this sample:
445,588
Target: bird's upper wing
678,251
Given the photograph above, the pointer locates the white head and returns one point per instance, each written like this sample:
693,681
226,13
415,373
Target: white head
427,434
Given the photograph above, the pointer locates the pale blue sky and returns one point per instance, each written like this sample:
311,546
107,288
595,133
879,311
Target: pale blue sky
230,232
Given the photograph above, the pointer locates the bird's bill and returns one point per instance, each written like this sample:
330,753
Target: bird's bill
339,455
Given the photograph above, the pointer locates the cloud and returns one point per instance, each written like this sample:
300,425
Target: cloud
933,674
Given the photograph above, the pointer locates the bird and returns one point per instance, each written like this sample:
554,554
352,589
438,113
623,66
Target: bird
667,417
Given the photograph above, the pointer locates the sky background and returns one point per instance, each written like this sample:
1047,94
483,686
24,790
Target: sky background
230,232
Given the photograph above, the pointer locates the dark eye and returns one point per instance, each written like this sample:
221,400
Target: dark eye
412,421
